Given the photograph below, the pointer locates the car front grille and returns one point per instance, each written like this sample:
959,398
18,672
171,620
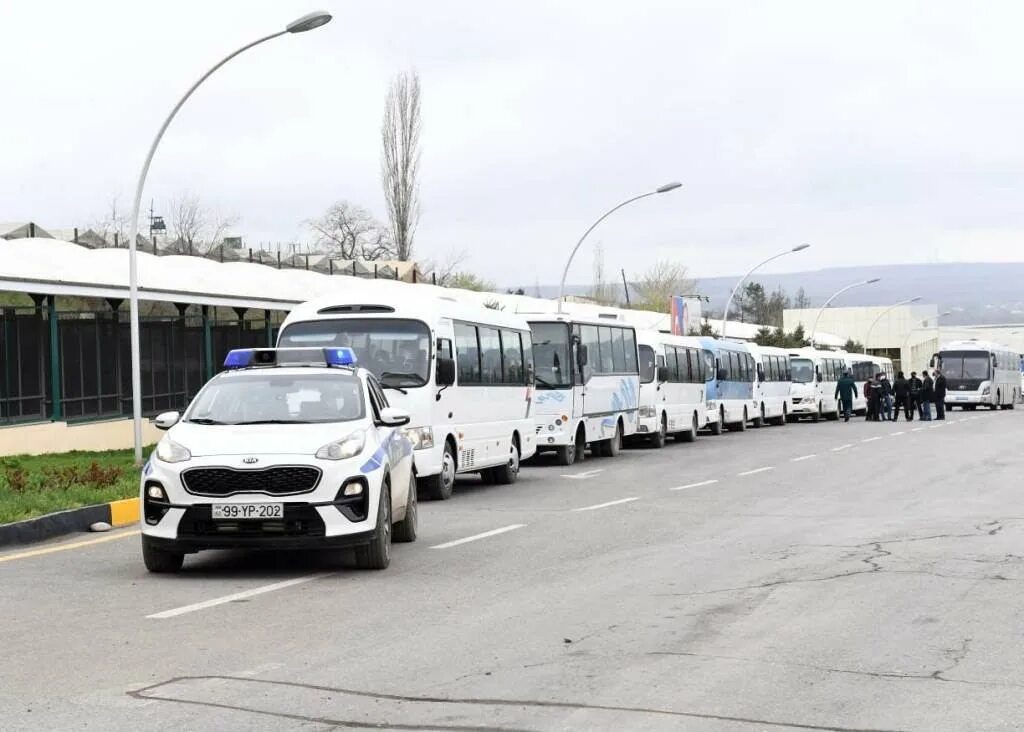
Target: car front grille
300,520
277,481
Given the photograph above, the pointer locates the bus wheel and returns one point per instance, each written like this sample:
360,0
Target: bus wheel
574,453
658,438
716,427
439,487
759,420
816,417
740,426
612,446
508,473
781,420
692,434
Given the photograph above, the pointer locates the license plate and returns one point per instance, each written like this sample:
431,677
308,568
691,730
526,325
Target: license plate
961,398
247,511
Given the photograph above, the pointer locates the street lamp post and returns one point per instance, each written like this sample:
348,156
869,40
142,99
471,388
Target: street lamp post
300,25
661,189
814,328
725,315
883,314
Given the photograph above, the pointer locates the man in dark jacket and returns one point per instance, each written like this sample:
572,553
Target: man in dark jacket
846,390
940,395
927,395
871,414
901,392
915,393
886,406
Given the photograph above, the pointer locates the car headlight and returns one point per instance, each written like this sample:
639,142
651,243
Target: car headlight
169,451
422,438
647,411
346,447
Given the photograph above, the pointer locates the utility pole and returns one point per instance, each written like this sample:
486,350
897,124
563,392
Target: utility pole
625,287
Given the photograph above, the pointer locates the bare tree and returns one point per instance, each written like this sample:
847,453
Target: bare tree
601,291
349,231
447,269
660,282
195,228
113,225
400,160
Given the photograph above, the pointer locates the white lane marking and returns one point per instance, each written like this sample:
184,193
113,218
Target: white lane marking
940,424
475,537
584,474
871,439
236,596
755,471
694,485
897,434
803,457
917,429
841,447
609,503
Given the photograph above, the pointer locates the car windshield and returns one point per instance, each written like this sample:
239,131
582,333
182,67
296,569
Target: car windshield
397,352
274,398
647,364
965,365
551,355
803,370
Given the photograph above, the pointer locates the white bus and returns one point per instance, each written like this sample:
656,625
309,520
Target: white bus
862,368
772,385
672,392
463,373
979,373
815,375
588,384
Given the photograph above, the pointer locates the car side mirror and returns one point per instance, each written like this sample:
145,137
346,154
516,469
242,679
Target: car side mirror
445,371
662,373
394,417
166,420
582,355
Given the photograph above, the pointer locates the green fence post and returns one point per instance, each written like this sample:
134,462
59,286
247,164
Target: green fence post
7,313
56,411
207,343
268,328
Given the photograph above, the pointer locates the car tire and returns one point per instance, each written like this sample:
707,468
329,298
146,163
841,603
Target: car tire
657,440
439,487
161,561
690,436
405,530
508,473
377,554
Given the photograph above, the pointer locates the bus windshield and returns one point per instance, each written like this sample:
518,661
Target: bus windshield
803,370
972,365
551,362
396,351
647,364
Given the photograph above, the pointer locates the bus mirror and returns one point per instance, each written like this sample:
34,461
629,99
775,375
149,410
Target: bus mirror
445,371
818,377
931,364
582,355
722,375
760,372
662,373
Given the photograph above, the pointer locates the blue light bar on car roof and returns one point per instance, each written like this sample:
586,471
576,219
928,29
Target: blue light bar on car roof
241,358
340,357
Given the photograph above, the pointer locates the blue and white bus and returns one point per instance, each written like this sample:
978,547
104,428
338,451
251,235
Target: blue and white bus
730,388
587,381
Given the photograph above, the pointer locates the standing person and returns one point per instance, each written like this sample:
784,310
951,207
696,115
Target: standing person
869,413
940,395
901,393
846,390
886,398
927,395
875,408
915,395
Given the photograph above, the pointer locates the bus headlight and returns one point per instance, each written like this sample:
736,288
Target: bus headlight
986,390
422,438
647,411
169,451
346,447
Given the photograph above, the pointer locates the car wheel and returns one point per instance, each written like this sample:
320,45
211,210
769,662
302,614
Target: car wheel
659,437
377,554
160,561
508,473
405,530
439,487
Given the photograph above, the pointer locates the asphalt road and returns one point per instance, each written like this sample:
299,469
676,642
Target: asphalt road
831,576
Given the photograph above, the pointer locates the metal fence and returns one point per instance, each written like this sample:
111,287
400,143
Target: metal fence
60,365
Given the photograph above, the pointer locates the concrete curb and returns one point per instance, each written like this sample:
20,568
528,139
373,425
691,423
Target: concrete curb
115,513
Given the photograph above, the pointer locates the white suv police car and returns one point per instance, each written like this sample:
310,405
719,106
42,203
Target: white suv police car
292,448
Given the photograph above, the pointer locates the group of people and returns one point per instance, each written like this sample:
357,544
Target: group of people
885,399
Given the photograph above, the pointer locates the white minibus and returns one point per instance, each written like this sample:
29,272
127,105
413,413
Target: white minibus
978,373
862,368
672,390
772,385
815,375
588,384
464,374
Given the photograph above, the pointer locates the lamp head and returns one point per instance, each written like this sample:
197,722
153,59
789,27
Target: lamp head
872,281
668,187
309,22
800,247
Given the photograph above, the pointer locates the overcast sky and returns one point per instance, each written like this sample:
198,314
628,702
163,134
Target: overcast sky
875,131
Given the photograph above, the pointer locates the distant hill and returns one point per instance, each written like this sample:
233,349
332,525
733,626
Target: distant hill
977,293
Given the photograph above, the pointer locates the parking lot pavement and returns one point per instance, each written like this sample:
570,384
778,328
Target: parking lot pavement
831,576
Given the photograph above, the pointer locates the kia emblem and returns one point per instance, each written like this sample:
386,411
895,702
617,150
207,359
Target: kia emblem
250,460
